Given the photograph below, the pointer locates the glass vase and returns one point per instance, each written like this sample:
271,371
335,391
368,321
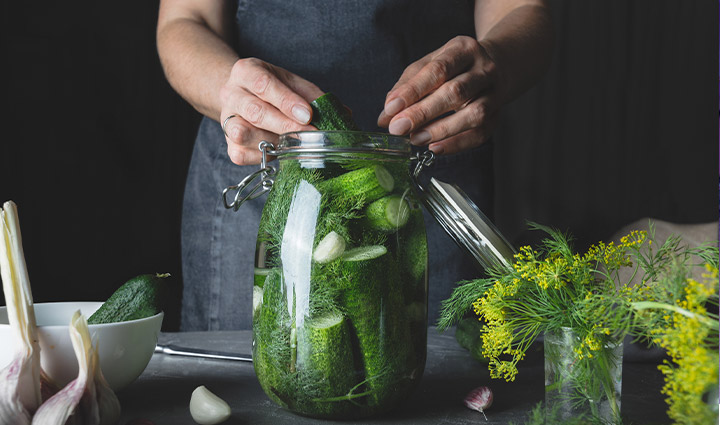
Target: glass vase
582,385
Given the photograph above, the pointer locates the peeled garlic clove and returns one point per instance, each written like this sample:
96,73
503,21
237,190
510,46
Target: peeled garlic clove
206,408
479,399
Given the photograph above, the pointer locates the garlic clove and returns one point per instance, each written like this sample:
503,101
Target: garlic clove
479,399
20,392
206,408
12,410
107,401
58,408
88,398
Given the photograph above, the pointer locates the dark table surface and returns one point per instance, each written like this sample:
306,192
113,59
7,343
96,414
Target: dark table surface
162,393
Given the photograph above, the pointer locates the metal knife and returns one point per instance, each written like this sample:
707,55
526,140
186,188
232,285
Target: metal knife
176,350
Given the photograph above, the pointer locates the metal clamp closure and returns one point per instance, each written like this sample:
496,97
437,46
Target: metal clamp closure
259,188
424,159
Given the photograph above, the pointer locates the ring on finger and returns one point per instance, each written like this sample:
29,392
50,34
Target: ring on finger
224,124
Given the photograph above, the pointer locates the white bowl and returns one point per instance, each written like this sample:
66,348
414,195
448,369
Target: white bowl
125,348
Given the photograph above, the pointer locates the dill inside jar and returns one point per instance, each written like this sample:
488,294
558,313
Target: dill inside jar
340,296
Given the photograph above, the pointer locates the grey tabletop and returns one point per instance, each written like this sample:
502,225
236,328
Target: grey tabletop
162,393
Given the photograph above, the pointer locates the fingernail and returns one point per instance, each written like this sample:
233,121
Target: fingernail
381,116
420,138
437,149
395,106
401,126
301,114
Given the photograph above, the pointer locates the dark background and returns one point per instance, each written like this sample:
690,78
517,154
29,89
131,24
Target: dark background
95,143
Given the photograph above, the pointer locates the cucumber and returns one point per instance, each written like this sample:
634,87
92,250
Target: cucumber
367,183
271,345
373,302
259,276
468,335
325,351
330,114
330,247
257,299
414,255
388,214
139,297
364,253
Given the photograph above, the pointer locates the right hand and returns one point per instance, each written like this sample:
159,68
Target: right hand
267,101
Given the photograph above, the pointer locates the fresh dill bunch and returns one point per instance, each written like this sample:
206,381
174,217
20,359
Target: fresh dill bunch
547,289
552,287
682,318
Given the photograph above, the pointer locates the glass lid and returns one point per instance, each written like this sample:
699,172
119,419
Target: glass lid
466,224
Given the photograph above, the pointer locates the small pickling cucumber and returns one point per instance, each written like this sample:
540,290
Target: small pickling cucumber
259,276
330,114
271,344
139,297
325,347
370,183
373,304
414,255
468,334
388,214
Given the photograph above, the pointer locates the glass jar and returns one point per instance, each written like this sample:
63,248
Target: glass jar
340,295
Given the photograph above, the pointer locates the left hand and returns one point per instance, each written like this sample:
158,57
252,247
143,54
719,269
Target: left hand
460,78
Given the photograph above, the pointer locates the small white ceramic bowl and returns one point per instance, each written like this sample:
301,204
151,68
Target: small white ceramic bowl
125,348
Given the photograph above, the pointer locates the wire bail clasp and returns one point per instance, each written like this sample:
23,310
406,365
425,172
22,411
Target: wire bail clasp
259,188
424,159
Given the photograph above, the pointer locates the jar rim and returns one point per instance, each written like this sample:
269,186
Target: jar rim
328,142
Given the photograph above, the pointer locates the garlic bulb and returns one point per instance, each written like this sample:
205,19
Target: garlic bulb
206,408
88,397
20,380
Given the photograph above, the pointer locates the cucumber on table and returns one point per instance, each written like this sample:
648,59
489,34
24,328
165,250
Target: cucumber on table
468,334
139,297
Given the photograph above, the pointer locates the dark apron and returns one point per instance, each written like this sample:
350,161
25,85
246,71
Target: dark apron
357,50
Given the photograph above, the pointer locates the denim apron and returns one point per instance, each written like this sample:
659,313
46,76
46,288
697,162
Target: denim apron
356,49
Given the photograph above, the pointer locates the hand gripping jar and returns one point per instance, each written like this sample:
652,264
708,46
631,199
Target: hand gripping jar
340,289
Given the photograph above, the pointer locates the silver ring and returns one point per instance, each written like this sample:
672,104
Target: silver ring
225,123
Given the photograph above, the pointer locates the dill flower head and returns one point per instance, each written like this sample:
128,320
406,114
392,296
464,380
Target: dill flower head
549,288
688,332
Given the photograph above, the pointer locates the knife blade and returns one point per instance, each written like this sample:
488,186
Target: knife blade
176,350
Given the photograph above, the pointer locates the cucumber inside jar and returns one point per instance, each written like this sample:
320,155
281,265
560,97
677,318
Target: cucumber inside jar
340,322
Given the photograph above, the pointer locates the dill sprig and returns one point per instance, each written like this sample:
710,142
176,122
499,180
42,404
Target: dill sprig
552,287
680,315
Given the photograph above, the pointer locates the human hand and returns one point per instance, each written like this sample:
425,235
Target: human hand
264,101
460,78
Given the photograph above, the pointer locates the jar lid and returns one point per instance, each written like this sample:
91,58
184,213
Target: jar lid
466,224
